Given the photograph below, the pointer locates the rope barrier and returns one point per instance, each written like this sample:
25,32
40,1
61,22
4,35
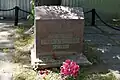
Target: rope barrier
88,12
7,9
106,23
93,11
25,11
14,8
17,9
102,20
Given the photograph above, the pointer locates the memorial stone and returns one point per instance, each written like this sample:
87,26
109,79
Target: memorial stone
58,35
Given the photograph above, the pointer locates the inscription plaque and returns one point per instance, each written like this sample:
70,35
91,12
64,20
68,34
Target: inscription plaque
56,33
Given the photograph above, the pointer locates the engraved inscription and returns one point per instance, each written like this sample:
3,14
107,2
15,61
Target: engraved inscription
60,46
60,41
68,35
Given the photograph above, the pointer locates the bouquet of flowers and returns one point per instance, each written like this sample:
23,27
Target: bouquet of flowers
69,70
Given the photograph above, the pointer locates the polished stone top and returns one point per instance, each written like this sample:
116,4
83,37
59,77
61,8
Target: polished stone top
58,12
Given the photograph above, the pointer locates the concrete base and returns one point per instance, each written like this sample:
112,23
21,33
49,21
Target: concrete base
50,61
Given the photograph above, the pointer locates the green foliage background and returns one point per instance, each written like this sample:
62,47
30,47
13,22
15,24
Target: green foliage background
31,16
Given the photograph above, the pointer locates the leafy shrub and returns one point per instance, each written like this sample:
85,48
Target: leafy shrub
24,74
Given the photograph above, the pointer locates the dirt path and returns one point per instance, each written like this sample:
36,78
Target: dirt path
6,42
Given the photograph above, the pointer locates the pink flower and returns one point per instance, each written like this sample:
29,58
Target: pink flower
65,65
68,61
70,68
76,67
74,74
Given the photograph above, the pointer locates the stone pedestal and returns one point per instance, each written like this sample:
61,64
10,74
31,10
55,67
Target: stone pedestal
59,35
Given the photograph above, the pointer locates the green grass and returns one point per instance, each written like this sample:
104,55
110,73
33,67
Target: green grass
24,74
83,75
23,39
28,74
5,50
92,54
86,75
21,57
97,76
22,42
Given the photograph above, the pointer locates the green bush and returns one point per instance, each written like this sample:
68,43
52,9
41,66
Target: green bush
31,16
24,74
